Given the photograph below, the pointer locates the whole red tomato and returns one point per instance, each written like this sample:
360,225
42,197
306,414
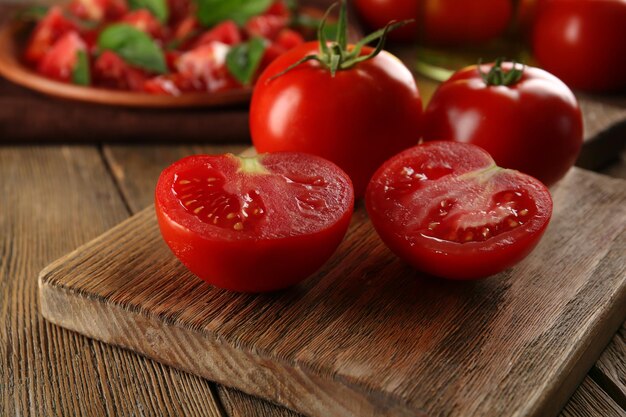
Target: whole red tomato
378,13
441,22
253,224
448,210
526,119
351,104
583,42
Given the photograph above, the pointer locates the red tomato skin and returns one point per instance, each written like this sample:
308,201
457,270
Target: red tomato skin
226,32
110,71
440,22
377,13
451,260
357,119
52,27
583,42
261,265
534,126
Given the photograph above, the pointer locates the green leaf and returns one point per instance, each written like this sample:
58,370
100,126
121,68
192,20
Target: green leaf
80,73
211,12
243,60
133,46
158,8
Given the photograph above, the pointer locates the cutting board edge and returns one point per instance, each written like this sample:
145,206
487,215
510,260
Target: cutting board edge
317,395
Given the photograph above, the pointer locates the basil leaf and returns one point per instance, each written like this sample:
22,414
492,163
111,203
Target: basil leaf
80,73
243,60
133,46
158,8
211,12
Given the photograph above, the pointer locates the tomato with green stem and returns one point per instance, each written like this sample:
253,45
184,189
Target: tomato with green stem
447,209
526,118
253,224
351,104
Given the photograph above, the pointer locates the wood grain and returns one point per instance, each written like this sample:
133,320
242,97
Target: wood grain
312,348
589,400
53,200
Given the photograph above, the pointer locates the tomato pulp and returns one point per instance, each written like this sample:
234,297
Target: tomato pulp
357,118
448,210
533,125
253,224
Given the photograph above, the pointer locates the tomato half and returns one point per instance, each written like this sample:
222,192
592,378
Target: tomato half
533,125
253,224
448,210
583,42
357,119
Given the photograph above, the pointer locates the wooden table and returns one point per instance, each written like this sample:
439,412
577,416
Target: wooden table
57,197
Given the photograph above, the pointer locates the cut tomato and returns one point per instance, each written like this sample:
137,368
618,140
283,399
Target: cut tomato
226,32
204,68
99,10
145,21
448,210
253,224
111,71
266,26
49,30
59,62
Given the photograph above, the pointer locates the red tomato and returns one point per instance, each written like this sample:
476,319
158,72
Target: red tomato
287,39
110,71
357,119
59,62
180,9
441,22
533,125
52,27
145,21
583,42
98,10
164,85
377,13
266,26
226,32
449,211
253,224
204,69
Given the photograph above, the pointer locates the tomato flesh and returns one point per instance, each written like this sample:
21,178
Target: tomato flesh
254,224
448,210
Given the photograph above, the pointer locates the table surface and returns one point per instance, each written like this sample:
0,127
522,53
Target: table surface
57,197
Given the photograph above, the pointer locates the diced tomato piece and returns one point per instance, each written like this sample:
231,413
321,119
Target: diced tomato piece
279,8
180,10
145,21
163,85
289,39
50,29
99,10
205,68
110,71
171,58
60,60
266,26
185,30
226,32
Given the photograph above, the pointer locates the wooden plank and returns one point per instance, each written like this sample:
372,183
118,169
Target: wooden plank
590,401
610,370
518,344
54,199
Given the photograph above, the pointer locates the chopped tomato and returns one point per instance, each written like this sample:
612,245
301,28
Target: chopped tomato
205,68
180,9
163,85
99,10
52,27
111,71
186,30
287,39
266,26
59,62
145,21
226,32
278,8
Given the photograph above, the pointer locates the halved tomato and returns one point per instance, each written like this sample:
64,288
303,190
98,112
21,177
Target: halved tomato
448,210
253,224
59,62
49,30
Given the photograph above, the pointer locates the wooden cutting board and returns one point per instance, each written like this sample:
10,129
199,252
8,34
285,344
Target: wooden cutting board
368,336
